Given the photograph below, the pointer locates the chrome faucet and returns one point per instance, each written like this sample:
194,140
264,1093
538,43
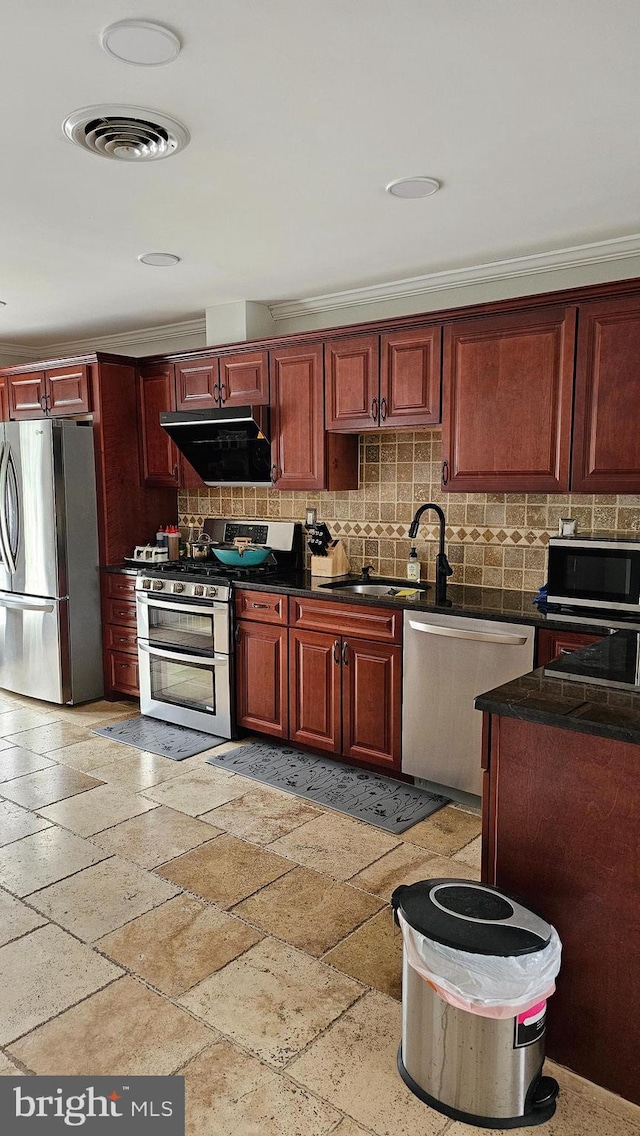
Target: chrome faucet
443,567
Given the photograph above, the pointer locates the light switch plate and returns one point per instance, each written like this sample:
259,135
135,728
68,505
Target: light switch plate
310,517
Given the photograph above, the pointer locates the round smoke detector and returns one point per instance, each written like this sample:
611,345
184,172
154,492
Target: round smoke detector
125,133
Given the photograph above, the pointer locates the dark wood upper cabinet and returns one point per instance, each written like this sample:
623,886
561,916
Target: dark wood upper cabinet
371,702
304,456
352,383
27,395
262,677
159,458
244,379
410,363
607,402
4,400
197,386
507,395
67,390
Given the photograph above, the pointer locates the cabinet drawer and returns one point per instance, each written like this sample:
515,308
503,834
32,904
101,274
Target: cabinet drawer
120,639
123,672
377,623
120,612
553,645
265,607
120,587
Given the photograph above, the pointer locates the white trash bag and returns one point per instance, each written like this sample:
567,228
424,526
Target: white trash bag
489,985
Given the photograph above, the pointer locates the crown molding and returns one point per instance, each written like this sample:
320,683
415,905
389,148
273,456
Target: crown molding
19,350
117,342
576,256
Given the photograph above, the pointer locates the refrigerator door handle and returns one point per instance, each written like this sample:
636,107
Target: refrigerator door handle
30,604
5,539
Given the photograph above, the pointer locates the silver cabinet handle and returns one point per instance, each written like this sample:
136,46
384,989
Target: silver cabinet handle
4,524
178,657
477,636
27,605
191,609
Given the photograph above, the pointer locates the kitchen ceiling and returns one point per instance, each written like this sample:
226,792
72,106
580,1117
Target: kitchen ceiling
300,112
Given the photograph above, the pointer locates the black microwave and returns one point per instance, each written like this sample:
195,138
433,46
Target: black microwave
595,571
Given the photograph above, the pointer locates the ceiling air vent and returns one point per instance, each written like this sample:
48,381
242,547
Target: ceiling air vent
126,134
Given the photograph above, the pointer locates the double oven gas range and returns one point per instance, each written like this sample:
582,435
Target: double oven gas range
185,626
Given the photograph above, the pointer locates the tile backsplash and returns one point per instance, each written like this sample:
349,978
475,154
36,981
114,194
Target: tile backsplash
497,540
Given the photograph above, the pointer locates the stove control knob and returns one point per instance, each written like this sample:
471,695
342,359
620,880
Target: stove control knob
198,589
178,586
158,585
146,584
212,591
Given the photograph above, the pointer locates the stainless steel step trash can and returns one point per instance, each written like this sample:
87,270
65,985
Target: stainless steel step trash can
477,970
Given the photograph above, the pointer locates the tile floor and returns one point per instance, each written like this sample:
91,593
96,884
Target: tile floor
165,917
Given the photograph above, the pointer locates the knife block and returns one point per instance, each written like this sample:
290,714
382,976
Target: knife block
335,563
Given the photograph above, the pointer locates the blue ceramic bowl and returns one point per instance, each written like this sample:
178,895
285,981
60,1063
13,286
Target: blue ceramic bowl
247,559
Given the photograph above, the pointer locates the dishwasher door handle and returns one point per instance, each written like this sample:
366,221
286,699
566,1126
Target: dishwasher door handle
476,636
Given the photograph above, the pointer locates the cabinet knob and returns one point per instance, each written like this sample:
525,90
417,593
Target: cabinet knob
383,409
223,393
374,409
445,472
262,607
275,473
336,652
216,392
345,657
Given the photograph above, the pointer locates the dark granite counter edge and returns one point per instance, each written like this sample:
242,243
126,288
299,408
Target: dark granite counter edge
494,703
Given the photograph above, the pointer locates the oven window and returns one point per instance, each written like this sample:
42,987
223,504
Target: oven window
183,684
608,576
179,629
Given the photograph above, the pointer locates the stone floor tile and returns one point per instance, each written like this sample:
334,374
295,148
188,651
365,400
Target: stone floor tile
308,910
261,815
100,808
16,718
44,973
43,858
353,1066
101,898
15,762
7,1067
575,1115
349,1127
4,744
139,771
16,918
335,844
593,1094
121,1031
45,739
372,954
444,832
37,790
225,870
178,944
273,1000
94,751
403,865
92,714
230,1093
471,854
155,837
198,790
16,823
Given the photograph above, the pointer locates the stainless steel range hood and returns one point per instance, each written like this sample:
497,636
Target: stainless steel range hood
229,446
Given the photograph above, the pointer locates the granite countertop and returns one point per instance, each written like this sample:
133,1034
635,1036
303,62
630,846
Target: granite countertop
586,707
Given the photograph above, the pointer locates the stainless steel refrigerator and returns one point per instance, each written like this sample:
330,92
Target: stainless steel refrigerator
50,638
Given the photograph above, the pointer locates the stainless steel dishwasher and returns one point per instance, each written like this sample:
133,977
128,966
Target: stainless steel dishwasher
448,661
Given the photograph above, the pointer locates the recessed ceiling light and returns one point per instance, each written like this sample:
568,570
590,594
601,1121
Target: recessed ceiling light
413,187
159,259
141,42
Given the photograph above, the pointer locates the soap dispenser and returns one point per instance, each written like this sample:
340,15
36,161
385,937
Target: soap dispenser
413,565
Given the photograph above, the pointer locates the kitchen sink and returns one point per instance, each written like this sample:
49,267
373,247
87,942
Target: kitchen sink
389,588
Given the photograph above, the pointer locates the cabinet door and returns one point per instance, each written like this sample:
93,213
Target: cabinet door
158,454
262,678
67,391
507,392
27,395
244,379
297,418
197,386
553,645
314,690
606,454
352,383
410,377
371,702
4,400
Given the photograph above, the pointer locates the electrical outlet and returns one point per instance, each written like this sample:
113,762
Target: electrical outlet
310,517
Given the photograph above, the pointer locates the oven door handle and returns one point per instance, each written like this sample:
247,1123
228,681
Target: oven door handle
191,609
178,657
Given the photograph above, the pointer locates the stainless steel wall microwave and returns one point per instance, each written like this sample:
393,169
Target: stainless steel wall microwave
595,571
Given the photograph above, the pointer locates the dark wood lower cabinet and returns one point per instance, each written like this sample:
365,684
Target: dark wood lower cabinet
553,645
262,657
314,690
561,831
371,702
